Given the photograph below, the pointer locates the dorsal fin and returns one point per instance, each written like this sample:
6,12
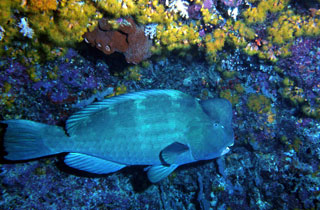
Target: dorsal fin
74,121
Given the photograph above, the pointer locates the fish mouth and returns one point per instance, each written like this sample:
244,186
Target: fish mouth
225,151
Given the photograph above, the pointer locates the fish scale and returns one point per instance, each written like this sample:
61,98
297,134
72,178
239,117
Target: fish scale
161,128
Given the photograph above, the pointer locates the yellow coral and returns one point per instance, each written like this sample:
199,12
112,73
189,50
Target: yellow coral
73,21
251,49
254,15
228,74
281,33
230,96
244,30
258,14
287,82
312,27
6,87
33,74
153,14
6,100
9,23
236,40
239,88
209,18
214,43
133,73
296,144
259,103
42,5
51,30
177,37
311,111
7,7
294,94
118,8
284,50
289,26
271,117
120,90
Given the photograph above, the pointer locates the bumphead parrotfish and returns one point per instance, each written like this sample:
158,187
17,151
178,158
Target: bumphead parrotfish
159,128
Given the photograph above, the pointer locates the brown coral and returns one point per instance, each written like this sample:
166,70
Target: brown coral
128,39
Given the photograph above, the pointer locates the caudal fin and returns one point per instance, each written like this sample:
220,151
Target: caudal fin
26,139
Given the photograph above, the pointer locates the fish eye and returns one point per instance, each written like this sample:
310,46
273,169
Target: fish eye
215,124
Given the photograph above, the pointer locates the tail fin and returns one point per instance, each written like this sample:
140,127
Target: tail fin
26,139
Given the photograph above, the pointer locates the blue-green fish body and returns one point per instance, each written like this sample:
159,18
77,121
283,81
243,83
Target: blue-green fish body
160,128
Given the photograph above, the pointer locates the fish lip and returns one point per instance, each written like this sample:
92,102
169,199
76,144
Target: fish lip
225,151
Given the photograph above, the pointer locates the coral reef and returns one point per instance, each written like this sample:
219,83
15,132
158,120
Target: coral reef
51,27
273,143
261,55
55,25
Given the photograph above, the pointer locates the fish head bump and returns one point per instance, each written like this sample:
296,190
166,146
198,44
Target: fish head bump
219,135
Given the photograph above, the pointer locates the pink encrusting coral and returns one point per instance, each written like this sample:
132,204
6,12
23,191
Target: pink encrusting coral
128,39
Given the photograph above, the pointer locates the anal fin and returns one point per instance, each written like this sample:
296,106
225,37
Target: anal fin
159,172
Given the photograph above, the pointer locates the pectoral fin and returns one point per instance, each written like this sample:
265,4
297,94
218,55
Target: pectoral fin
171,153
91,164
157,173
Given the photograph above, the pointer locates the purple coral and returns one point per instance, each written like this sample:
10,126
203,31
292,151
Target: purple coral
232,3
305,62
207,4
194,11
69,84
15,73
304,65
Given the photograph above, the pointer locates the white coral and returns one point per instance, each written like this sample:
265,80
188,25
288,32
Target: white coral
25,29
151,30
1,33
178,6
233,12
